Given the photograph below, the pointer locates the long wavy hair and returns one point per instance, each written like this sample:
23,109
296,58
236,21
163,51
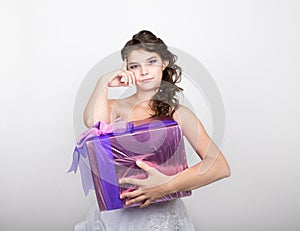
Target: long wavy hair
165,101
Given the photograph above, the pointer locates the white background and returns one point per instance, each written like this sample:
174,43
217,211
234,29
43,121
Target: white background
250,48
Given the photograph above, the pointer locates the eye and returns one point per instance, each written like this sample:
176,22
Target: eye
133,66
152,61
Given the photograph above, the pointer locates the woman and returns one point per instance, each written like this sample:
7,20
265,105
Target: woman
150,66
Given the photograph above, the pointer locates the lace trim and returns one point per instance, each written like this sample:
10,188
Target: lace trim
165,220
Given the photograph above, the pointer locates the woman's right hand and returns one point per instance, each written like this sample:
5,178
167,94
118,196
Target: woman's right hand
121,77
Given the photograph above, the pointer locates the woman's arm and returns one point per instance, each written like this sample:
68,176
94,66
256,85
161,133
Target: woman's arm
213,166
99,107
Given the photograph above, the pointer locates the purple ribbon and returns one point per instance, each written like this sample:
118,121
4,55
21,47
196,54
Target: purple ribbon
80,152
108,179
80,158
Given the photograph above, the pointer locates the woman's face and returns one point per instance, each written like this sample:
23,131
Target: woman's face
147,68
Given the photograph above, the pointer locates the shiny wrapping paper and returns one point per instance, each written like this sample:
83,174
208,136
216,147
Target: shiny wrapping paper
107,153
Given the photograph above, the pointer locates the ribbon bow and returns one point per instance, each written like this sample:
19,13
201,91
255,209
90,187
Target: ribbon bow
118,126
104,128
80,152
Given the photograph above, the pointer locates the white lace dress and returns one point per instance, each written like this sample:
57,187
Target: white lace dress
170,216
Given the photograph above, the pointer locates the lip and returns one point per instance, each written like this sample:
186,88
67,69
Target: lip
146,80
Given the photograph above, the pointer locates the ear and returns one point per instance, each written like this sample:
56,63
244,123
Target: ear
165,64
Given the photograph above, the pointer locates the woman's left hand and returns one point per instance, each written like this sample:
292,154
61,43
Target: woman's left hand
149,189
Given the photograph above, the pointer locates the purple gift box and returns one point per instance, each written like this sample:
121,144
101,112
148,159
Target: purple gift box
107,153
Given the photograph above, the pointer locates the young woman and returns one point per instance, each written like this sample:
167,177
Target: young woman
150,66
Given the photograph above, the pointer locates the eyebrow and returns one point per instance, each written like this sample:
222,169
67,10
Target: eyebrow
146,59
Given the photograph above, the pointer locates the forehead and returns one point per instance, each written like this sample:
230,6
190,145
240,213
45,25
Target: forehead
140,55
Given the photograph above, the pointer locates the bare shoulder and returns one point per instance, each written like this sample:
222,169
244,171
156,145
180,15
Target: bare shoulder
187,119
183,114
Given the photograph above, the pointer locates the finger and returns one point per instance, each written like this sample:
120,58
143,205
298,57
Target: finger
145,203
129,77
133,194
124,66
133,181
145,166
123,79
132,77
136,200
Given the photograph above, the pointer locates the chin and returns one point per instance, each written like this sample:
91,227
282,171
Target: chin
148,86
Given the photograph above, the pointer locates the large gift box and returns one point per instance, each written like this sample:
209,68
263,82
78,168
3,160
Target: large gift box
107,153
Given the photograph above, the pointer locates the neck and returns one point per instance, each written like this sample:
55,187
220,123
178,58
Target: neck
144,97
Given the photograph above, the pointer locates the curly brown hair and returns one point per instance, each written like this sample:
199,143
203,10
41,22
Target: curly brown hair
165,101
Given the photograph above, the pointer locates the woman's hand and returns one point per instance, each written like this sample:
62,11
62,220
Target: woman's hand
121,77
150,189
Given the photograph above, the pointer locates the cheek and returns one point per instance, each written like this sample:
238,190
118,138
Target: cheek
158,73
136,73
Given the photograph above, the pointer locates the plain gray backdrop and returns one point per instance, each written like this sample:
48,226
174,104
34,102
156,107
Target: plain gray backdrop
250,48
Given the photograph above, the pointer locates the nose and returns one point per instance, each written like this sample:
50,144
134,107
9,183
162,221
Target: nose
144,71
